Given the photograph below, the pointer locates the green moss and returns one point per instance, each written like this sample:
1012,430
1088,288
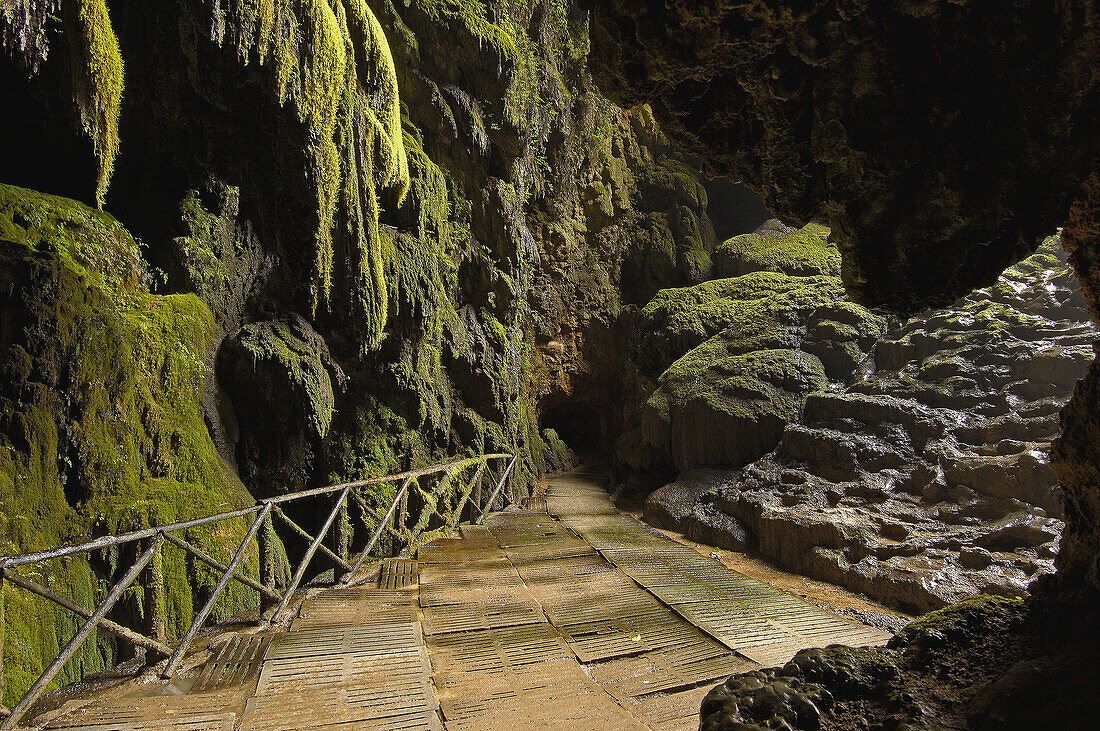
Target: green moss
297,356
104,431
764,309
332,62
964,619
721,377
100,95
1048,257
718,406
806,252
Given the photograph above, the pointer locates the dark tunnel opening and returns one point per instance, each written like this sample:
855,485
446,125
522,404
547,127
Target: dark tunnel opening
580,425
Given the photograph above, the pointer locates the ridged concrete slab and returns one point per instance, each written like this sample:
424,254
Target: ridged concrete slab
397,573
236,662
748,616
205,712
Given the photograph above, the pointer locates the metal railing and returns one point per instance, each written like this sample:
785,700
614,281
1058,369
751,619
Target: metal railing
445,502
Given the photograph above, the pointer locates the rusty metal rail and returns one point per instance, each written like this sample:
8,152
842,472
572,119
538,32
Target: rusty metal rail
444,502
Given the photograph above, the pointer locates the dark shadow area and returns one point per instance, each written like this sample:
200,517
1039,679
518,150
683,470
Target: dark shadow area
580,425
733,208
44,150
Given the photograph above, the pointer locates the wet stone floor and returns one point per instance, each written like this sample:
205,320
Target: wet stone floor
569,615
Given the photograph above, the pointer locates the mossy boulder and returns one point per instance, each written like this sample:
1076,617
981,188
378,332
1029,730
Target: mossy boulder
725,365
285,384
102,430
762,309
775,247
969,665
720,406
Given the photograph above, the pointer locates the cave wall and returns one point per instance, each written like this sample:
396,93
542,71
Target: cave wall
392,233
940,140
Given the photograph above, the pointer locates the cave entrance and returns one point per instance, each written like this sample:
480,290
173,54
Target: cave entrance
581,425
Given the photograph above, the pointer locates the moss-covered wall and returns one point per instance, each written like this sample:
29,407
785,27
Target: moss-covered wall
365,225
102,428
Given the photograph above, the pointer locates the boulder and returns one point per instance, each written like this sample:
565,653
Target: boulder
927,479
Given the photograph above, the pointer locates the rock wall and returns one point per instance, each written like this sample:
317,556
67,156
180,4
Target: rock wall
102,427
927,478
379,234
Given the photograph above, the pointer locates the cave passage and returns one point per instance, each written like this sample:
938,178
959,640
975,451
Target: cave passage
580,425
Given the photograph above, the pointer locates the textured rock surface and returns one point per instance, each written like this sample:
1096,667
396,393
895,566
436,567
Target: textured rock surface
557,455
102,427
980,664
939,139
725,365
407,231
928,479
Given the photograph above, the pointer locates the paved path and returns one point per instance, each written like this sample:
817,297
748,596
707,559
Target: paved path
580,618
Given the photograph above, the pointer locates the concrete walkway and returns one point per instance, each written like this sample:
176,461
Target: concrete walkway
577,618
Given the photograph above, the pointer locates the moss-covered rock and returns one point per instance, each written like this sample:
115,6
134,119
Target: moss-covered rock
286,384
778,248
762,309
718,405
556,453
724,365
103,430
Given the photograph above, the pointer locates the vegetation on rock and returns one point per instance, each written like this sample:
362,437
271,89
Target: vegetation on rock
723,366
103,429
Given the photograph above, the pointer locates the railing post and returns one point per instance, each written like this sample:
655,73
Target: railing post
340,538
496,493
74,644
511,489
476,498
304,563
200,618
156,615
266,539
403,512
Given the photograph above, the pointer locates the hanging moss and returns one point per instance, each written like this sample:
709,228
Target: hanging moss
99,92
332,62
97,68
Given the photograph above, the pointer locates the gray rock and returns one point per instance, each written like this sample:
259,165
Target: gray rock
668,506
927,479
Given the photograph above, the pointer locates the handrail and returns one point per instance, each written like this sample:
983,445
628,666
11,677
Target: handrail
394,521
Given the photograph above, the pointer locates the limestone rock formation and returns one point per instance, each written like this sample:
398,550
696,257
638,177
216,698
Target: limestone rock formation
928,479
725,365
557,455
980,664
939,139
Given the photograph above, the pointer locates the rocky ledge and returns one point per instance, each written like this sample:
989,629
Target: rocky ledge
979,664
926,478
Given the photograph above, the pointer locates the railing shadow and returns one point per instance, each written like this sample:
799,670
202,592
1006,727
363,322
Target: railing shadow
442,504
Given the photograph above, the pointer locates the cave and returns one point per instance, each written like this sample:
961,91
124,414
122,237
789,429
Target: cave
812,284
578,424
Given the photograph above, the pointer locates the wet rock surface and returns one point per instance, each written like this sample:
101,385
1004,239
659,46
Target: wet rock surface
981,664
722,367
927,479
